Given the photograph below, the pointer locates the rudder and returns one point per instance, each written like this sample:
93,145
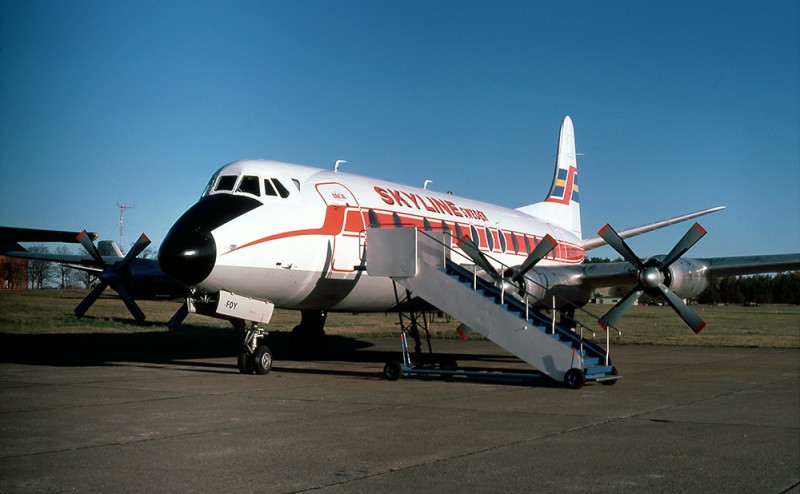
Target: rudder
561,206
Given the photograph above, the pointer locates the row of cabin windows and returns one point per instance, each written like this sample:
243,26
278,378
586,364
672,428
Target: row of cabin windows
501,236
250,184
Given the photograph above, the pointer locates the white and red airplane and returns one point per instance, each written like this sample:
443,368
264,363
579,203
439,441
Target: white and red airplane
269,234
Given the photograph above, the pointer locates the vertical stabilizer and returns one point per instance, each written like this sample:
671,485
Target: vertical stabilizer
561,207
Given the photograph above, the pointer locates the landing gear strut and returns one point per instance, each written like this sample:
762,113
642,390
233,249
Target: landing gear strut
255,357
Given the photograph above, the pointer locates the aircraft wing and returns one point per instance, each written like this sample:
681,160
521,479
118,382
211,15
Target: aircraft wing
608,274
593,243
11,237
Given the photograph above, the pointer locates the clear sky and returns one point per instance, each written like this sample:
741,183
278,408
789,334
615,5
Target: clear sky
677,106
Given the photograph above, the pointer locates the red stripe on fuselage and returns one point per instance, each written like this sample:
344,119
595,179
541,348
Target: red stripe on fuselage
349,220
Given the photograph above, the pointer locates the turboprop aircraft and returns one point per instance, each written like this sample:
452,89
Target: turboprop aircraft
128,275
267,234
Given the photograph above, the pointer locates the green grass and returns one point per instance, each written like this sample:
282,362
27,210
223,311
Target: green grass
51,311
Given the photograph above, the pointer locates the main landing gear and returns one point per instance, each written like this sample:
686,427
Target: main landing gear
255,357
308,338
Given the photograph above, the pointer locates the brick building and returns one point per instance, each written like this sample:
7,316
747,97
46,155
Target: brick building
13,273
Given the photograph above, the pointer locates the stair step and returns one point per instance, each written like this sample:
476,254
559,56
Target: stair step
595,370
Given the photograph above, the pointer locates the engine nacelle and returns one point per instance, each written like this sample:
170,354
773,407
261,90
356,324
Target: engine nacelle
540,285
687,278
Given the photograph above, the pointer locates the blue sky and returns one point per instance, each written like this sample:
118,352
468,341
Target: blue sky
677,106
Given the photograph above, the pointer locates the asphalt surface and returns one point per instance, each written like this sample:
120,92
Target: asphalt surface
149,413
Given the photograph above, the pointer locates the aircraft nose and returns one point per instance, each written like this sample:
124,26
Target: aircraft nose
187,255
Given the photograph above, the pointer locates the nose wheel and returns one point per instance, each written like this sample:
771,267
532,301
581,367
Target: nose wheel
254,357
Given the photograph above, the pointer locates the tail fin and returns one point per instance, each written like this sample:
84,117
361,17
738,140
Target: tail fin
561,206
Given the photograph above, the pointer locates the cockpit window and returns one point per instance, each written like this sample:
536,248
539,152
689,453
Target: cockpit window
282,191
268,188
225,182
250,185
296,183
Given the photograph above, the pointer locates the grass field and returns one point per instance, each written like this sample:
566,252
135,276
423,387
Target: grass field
50,311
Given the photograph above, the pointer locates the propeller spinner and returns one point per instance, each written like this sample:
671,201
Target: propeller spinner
112,275
651,277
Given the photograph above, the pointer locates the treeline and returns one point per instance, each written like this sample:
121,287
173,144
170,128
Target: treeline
782,288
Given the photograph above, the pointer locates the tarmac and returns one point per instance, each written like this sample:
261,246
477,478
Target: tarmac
171,413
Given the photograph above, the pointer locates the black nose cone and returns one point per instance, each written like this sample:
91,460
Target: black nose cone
189,251
187,255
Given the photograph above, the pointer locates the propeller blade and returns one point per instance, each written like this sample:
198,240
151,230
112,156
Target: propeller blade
611,317
547,244
134,309
177,318
616,242
695,233
90,299
683,310
85,239
470,249
140,245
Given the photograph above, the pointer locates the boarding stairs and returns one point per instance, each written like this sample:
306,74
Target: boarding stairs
422,264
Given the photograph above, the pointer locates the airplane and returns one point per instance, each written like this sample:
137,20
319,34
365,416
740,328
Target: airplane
128,275
268,234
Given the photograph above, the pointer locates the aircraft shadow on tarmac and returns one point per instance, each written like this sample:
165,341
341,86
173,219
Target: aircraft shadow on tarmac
190,345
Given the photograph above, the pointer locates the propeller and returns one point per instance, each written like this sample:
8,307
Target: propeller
111,275
515,274
651,275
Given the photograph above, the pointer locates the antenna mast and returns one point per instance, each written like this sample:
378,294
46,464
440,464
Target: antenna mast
122,208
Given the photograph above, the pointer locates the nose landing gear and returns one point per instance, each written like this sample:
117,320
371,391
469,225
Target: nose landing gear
255,357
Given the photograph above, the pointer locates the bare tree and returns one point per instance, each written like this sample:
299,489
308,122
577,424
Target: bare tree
39,271
63,270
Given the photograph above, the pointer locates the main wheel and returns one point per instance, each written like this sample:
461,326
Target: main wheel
392,371
245,362
574,379
263,360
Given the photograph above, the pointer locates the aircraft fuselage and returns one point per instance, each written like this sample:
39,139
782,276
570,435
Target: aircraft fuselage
295,236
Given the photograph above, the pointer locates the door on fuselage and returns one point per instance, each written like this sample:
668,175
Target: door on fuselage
343,209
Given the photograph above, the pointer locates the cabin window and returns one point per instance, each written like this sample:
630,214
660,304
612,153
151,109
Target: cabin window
250,185
501,237
268,188
225,182
514,243
489,238
474,233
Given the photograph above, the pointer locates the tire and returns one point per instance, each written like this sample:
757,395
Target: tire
245,362
262,360
574,379
392,371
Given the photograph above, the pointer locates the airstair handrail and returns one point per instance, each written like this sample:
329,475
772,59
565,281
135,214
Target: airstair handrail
448,248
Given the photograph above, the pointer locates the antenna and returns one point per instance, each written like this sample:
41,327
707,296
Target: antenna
336,166
425,185
122,208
